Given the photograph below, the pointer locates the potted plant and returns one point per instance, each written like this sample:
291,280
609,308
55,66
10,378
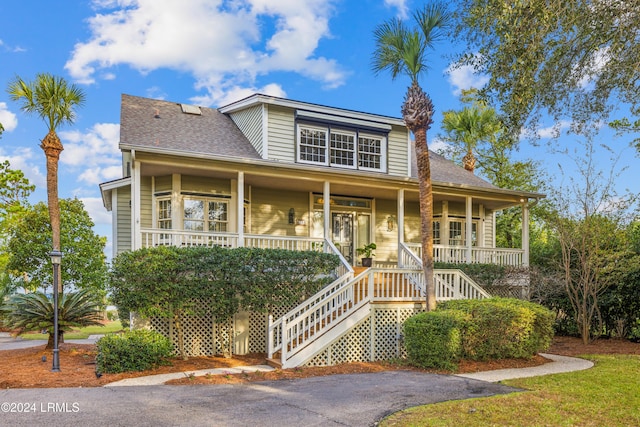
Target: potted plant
367,251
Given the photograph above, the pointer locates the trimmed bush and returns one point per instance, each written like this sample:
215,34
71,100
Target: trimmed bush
137,350
434,339
501,328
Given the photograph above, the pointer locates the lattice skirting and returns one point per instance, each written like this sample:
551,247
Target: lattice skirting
377,337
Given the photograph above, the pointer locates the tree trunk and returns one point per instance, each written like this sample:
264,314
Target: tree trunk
417,112
469,161
52,147
426,214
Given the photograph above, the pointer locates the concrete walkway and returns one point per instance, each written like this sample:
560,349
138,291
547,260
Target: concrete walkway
558,365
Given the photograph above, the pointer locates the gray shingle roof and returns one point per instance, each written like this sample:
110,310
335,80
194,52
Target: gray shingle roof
161,124
443,170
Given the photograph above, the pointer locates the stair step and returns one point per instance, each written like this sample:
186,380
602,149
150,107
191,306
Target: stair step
274,363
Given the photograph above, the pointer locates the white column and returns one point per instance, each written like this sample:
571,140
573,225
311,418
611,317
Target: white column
469,227
176,201
400,222
326,207
240,209
525,234
136,234
114,222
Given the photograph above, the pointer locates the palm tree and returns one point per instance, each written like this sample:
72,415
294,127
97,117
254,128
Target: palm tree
54,101
34,312
403,50
470,126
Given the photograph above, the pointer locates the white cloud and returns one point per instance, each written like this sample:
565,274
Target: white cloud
553,131
228,95
401,5
96,210
465,77
213,41
25,159
439,146
7,118
598,62
94,152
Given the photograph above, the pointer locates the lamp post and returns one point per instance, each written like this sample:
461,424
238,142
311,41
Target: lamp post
56,258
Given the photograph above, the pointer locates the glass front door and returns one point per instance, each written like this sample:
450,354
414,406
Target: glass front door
342,232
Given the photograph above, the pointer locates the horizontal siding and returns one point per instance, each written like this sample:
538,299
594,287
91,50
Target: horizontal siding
205,185
281,131
386,241
249,121
146,207
123,219
162,184
489,229
270,212
397,149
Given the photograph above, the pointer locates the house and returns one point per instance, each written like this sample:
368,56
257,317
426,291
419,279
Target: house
273,172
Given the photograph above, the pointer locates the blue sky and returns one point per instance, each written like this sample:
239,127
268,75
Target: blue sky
206,52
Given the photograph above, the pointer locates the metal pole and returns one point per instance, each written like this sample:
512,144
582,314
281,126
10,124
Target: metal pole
55,261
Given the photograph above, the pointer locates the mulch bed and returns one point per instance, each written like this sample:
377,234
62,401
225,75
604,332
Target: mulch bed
25,368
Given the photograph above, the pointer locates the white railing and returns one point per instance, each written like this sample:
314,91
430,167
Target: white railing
331,312
283,242
345,268
158,237
479,255
455,284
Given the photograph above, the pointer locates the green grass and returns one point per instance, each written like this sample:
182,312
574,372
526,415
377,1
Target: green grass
78,334
605,395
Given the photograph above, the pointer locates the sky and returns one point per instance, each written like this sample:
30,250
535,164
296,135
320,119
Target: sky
210,53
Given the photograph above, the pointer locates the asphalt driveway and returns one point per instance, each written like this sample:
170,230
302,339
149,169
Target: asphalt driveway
337,400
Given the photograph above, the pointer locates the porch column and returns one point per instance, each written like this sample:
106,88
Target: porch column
240,209
326,208
400,223
525,234
136,235
469,227
177,211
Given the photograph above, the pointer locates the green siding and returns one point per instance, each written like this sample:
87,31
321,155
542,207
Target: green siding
163,184
249,122
386,241
281,128
270,212
205,185
123,219
397,152
146,208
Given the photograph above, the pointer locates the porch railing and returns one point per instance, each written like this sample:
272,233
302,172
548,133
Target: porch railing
479,255
158,237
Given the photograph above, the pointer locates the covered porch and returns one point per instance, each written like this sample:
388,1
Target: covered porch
174,201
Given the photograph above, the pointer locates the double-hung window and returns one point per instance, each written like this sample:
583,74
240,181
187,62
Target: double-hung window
337,147
205,214
312,147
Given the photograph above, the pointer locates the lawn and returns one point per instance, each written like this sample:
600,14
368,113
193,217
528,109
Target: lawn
79,334
606,394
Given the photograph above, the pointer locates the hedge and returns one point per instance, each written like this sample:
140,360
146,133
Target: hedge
495,328
434,339
137,350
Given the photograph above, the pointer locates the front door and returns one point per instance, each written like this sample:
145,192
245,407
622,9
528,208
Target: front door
342,232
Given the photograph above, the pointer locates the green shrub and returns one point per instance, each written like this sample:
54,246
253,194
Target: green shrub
501,328
434,339
137,350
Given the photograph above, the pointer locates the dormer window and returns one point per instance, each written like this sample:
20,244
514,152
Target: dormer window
336,147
